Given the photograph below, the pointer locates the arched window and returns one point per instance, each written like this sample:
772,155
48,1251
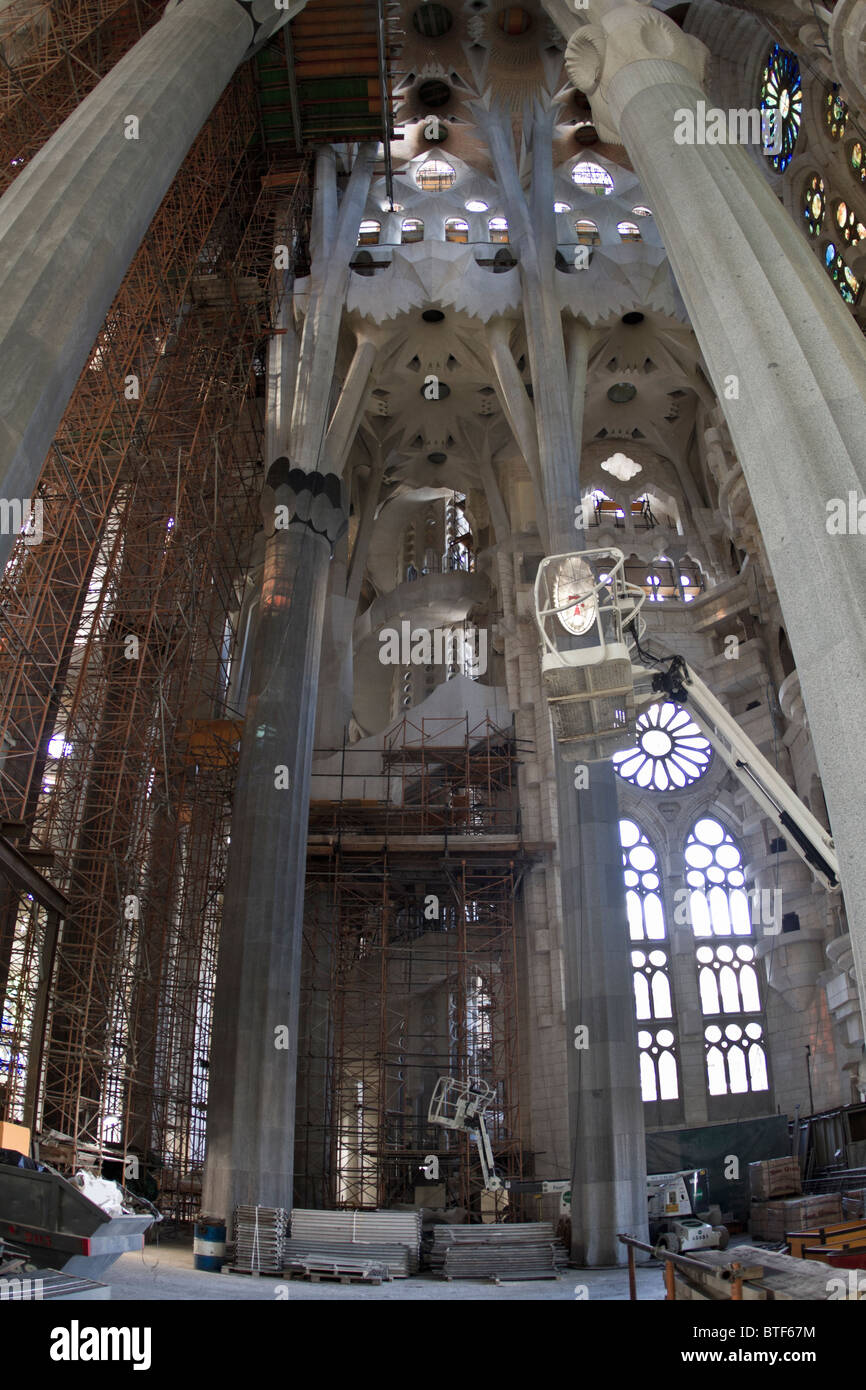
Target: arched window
413,230
456,229
587,232
650,962
721,919
629,231
671,750
858,161
497,229
435,176
369,232
841,274
593,178
836,114
814,204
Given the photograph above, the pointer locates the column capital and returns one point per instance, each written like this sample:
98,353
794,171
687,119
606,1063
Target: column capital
316,500
615,34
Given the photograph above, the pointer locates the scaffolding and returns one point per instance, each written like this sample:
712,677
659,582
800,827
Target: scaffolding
52,54
119,746
410,970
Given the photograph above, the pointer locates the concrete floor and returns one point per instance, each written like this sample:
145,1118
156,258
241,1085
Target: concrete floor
165,1273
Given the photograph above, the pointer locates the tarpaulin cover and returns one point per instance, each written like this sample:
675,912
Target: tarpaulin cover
712,1146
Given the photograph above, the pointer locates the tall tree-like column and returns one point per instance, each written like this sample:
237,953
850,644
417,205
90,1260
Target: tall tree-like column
606,1123
251,1107
789,367
73,219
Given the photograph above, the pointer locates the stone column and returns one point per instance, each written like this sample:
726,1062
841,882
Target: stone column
606,1126
789,367
73,219
251,1106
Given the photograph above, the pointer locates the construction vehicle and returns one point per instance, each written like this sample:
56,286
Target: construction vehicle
673,1224
461,1106
598,678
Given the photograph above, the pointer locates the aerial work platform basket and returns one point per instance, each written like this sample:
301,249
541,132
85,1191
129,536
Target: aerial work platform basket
584,608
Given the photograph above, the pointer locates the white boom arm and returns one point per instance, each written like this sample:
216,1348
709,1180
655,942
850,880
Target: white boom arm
772,793
460,1105
597,678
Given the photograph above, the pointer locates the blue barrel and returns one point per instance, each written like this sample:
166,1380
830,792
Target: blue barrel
209,1247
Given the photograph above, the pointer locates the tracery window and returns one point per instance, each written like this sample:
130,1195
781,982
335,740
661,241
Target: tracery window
721,921
671,751
782,98
836,114
858,162
851,229
650,961
814,204
841,274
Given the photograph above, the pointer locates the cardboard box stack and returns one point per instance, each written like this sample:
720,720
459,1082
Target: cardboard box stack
770,1217
775,1177
770,1220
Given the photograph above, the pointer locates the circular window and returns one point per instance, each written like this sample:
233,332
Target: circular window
433,316
476,205
623,392
782,99
593,178
434,93
671,751
435,176
514,21
850,229
814,204
641,212
432,20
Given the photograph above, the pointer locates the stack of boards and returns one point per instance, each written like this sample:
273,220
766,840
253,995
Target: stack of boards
260,1239
501,1252
365,1245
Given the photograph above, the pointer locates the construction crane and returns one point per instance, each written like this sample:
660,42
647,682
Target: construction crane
598,678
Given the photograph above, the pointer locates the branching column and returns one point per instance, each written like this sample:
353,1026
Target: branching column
253,1068
606,1124
789,367
73,219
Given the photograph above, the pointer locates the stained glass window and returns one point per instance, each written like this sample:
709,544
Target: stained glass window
671,751
814,204
858,163
836,115
841,274
850,228
782,98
